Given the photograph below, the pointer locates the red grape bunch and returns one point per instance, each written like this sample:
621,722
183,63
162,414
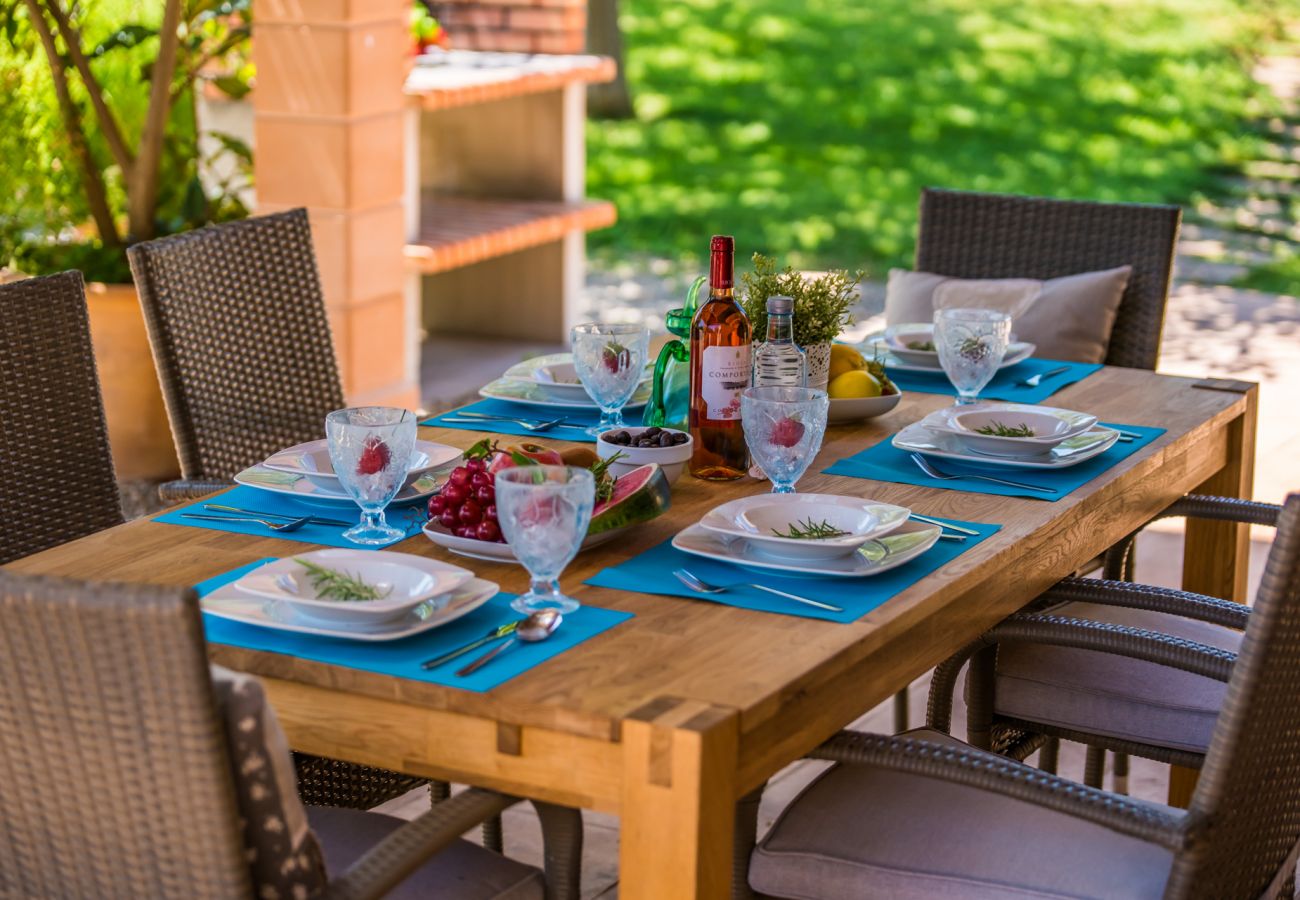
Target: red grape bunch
466,505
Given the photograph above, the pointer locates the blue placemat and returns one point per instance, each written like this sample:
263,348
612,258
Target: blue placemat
409,518
651,573
402,658
1005,384
885,462
572,415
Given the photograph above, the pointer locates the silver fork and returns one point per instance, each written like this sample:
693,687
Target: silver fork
703,587
929,468
274,526
1034,380
526,424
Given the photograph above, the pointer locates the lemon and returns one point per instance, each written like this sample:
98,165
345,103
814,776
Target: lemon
845,359
854,383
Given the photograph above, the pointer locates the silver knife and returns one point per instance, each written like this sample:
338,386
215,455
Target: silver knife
499,632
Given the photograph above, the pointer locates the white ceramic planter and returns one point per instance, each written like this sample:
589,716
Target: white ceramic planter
819,365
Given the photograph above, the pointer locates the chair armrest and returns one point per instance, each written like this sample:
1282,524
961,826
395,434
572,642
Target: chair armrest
1227,509
183,489
988,771
403,851
1120,640
1183,604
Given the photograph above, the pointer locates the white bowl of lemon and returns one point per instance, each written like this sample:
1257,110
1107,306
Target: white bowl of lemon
858,387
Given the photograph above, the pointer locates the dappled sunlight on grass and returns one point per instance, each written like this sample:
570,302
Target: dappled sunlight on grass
807,129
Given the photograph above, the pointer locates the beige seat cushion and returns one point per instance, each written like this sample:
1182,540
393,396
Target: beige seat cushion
463,871
1100,693
863,832
1068,318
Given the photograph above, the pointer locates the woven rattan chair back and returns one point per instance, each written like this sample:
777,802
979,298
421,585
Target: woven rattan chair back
58,480
240,338
1247,801
973,235
115,779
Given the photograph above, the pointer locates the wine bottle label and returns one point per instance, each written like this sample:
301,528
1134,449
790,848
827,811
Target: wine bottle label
724,374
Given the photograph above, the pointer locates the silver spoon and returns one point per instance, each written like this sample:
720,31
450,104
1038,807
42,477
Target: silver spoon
1033,380
274,526
537,627
700,586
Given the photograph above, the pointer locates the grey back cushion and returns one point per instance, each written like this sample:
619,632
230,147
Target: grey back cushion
1068,318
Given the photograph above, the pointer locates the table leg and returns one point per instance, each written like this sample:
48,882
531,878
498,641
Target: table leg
679,797
1216,555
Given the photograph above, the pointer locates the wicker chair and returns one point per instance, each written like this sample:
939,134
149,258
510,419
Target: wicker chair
1047,673
922,815
58,480
241,341
965,234
243,350
972,235
118,774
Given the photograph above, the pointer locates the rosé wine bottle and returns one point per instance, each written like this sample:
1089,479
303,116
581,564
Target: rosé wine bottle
720,371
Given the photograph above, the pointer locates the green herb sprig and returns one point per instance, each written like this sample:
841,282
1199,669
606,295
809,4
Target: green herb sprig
331,584
997,429
821,305
808,530
921,345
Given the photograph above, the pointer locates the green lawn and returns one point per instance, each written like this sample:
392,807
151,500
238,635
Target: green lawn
807,128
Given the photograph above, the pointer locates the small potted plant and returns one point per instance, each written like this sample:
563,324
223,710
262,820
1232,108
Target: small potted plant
822,307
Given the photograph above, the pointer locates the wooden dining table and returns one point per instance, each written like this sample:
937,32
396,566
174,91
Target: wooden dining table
669,717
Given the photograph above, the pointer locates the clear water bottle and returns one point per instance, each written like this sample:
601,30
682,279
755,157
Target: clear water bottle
778,360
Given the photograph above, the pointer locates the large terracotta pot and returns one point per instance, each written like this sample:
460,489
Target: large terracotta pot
133,403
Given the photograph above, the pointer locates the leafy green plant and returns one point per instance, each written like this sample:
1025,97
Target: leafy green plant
103,97
822,303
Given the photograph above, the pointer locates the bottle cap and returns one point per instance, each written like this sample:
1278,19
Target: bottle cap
722,251
778,305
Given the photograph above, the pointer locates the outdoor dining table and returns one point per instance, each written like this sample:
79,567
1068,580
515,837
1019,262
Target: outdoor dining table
671,716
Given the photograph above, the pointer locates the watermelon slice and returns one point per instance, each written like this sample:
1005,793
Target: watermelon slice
638,496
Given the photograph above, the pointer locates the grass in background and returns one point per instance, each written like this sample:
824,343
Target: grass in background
807,129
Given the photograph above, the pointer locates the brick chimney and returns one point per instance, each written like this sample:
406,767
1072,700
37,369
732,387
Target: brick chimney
523,26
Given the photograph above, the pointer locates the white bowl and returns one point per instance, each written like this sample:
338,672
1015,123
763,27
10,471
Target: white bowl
754,519
312,461
671,459
897,338
1050,426
410,580
855,409
560,381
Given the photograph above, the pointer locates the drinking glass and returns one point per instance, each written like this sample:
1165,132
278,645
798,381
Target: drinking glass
971,344
610,360
783,429
544,512
370,449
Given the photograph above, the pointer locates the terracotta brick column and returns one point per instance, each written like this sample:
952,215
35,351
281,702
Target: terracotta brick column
329,114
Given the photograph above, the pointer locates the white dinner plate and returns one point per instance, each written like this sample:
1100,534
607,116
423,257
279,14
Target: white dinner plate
231,603
1017,352
751,519
519,385
560,382
312,461
407,579
905,544
920,438
300,488
494,552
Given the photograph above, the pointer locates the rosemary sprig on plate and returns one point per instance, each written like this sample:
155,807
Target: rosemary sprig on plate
334,585
921,345
808,530
997,429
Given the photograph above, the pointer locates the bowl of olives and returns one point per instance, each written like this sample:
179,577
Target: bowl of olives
667,446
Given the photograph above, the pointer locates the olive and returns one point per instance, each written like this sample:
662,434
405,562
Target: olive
665,440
